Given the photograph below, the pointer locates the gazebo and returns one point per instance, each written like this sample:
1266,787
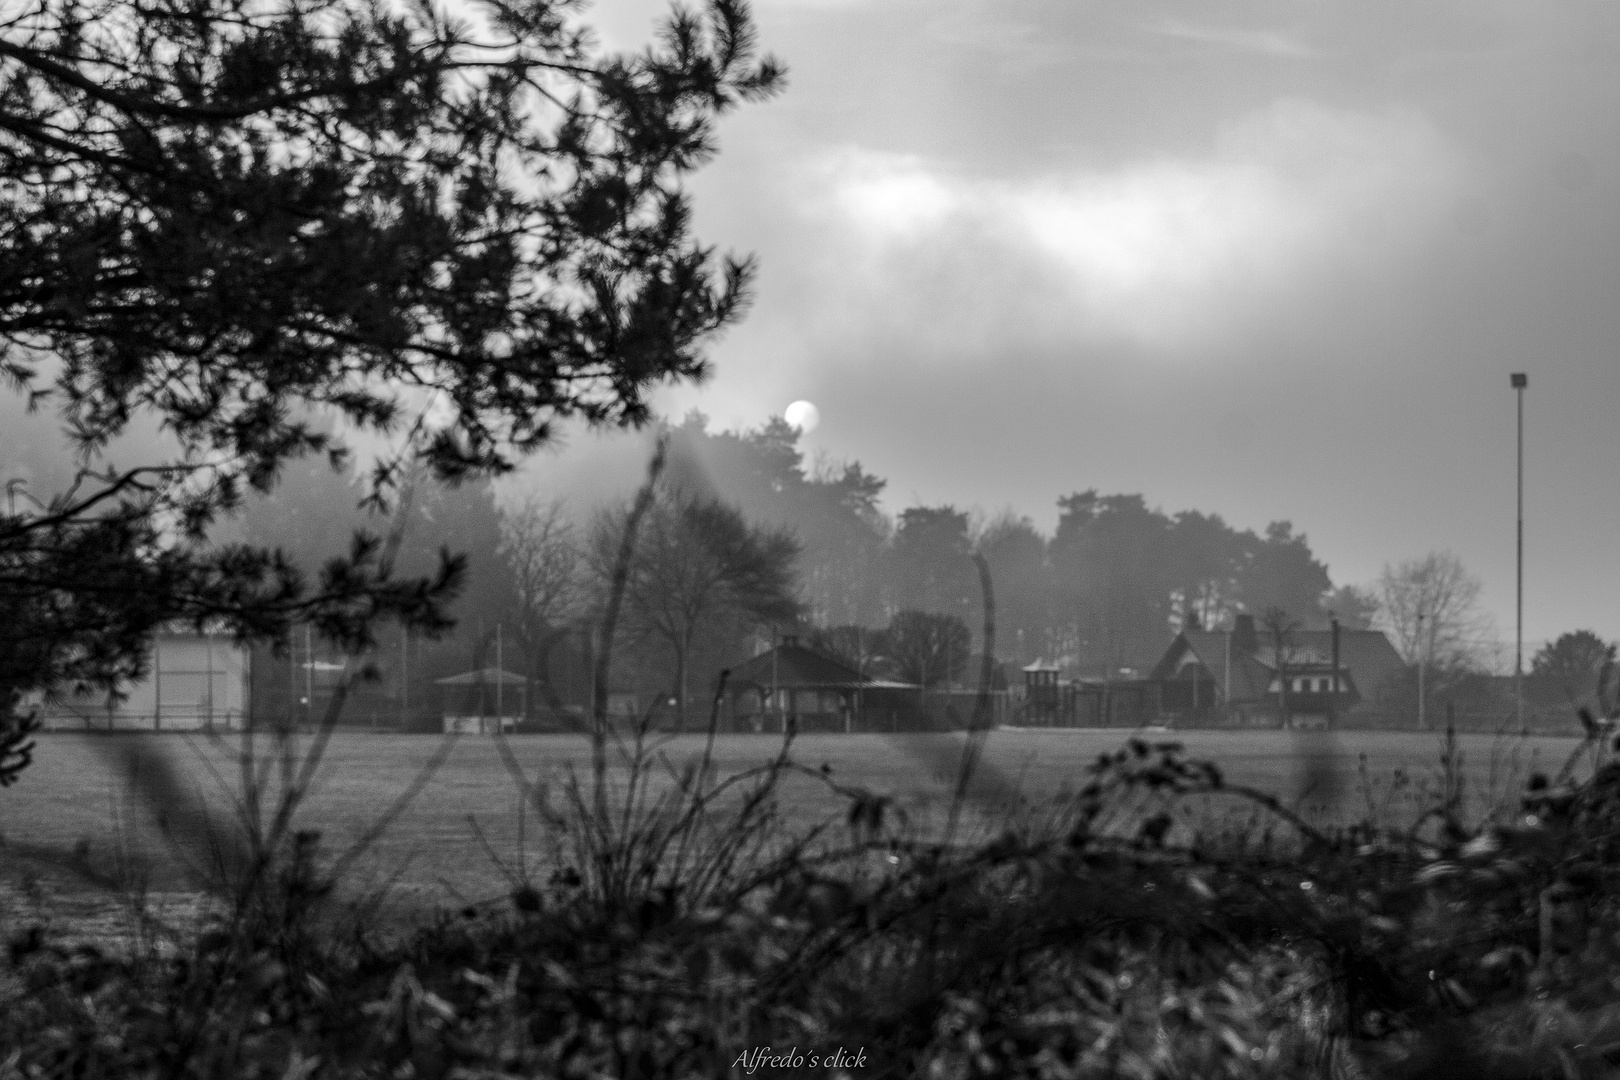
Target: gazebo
479,702
793,683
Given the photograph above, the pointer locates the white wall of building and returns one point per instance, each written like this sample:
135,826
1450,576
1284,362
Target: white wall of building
194,682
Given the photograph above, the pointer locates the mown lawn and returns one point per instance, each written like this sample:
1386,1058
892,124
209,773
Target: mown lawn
77,791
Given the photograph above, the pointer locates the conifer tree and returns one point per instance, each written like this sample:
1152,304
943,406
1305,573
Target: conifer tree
235,216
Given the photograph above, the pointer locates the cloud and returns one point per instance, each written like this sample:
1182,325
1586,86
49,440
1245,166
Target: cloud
1167,252
1264,42
985,29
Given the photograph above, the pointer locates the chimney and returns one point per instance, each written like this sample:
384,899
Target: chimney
1244,639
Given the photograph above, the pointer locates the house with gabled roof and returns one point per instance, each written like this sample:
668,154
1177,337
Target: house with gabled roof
1240,674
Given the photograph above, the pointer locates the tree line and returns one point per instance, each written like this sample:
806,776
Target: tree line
1103,591
745,539
228,222
899,597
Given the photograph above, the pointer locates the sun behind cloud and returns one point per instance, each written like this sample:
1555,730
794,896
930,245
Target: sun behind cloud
803,415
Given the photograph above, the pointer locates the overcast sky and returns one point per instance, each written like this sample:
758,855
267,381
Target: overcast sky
1264,260
1268,260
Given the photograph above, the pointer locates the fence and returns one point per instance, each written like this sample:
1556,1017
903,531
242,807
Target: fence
194,682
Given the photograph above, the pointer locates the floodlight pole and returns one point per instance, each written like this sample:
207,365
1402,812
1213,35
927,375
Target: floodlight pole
404,676
208,699
588,636
157,683
1519,382
1333,687
1423,664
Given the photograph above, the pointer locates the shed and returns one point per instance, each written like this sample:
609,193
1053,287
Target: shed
194,681
795,683
1041,697
483,700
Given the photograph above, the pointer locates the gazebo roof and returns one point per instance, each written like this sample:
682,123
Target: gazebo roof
797,668
889,684
488,676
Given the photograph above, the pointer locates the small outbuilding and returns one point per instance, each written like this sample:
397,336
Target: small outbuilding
793,683
1042,694
193,682
482,701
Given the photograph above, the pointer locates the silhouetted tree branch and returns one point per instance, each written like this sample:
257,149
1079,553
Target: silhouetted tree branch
237,218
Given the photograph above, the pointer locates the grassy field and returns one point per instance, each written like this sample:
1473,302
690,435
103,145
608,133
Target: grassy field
1185,958
77,791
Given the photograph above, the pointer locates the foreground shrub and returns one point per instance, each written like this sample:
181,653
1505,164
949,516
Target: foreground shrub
1109,934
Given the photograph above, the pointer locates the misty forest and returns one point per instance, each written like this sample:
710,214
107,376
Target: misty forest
340,737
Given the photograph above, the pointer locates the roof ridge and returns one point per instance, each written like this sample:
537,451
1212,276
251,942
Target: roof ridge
823,654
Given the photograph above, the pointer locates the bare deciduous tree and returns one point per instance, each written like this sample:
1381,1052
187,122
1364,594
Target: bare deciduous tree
697,562
861,647
1430,606
1281,628
929,648
541,549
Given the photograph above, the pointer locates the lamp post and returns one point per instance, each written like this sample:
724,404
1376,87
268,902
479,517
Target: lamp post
1519,382
1423,670
1333,687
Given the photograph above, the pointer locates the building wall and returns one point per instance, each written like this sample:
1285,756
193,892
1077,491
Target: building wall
193,682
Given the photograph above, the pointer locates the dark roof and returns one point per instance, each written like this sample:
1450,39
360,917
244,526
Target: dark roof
488,676
1249,677
796,666
1366,655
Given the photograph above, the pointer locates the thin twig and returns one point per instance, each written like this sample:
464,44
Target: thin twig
610,619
